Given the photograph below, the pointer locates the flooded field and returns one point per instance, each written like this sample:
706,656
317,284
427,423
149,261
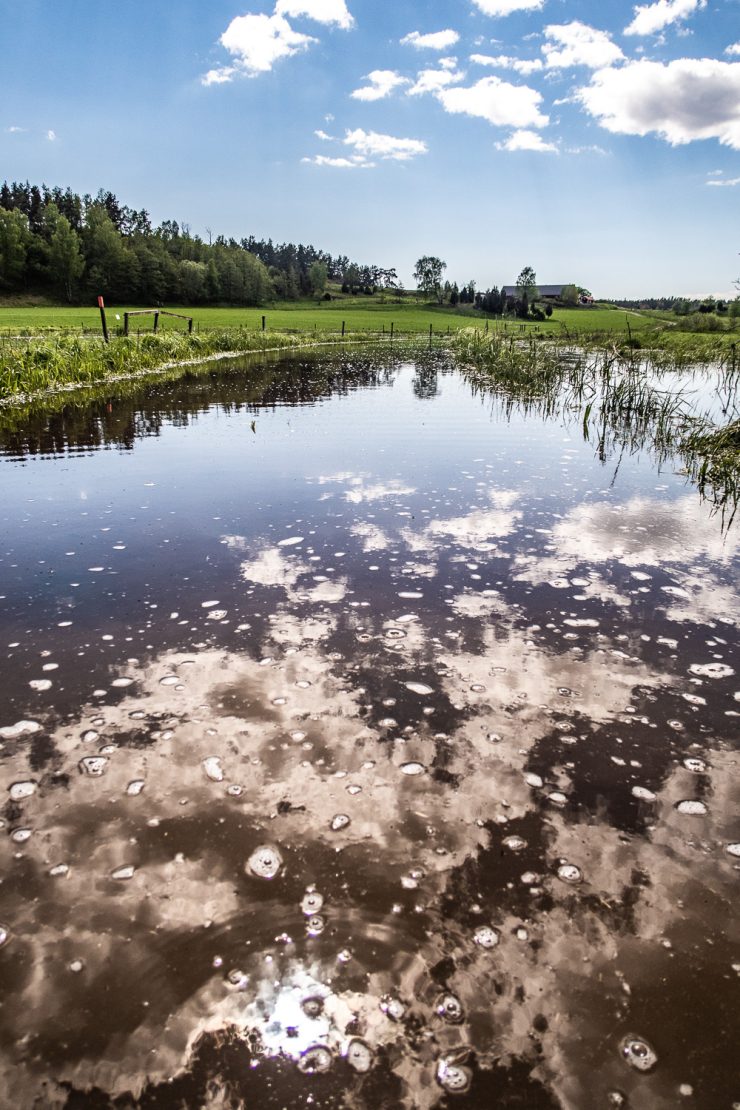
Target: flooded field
367,741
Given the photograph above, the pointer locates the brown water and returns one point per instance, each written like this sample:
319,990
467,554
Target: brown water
364,744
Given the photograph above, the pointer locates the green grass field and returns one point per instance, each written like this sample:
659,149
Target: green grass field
360,314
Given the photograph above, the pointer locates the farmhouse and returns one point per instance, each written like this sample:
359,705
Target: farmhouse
551,293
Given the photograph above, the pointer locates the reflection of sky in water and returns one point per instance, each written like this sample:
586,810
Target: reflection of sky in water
453,669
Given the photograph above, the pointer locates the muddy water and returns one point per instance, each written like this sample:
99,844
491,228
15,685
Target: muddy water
364,744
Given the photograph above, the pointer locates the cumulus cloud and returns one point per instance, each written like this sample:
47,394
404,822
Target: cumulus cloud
322,11
650,18
527,140
682,100
499,102
733,50
577,44
367,145
432,80
15,130
503,61
354,163
382,84
506,7
437,40
371,144
728,181
256,42
51,136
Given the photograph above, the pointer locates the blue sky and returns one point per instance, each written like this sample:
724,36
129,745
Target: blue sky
598,144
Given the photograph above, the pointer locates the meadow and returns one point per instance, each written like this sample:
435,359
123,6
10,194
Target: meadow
359,314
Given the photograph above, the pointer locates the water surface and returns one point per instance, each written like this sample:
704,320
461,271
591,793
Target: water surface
366,743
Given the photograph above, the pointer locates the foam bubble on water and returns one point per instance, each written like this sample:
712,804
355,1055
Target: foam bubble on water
583,622
514,843
208,604
21,790
290,541
694,699
478,688
59,870
711,670
394,634
234,790
20,836
265,862
313,1007
638,1053
354,789
406,618
643,794
20,728
485,936
569,873
40,684
217,614
121,683
93,765
316,1060
359,1056
412,768
339,822
418,688
169,680
691,808
4,934
297,735
76,966
449,1007
213,769
90,736
733,849
312,901
693,763
392,1007
453,1077
135,788
315,925
533,780
123,874
557,798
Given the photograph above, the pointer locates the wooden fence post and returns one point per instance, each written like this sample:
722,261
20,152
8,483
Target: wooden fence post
125,323
104,322
264,323
342,329
156,321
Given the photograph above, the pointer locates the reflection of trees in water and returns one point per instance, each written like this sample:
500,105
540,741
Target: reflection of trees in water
119,415
425,383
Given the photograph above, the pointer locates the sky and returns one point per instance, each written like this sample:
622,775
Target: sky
599,144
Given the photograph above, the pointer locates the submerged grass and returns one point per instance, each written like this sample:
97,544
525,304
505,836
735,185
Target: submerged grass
618,397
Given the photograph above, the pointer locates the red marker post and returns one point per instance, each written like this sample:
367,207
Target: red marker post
104,322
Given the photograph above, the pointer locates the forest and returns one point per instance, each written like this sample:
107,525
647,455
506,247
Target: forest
58,244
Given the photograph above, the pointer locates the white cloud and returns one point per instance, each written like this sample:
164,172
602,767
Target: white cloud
370,144
729,181
683,100
734,49
506,7
433,80
324,137
15,130
650,18
577,44
256,42
497,101
353,163
51,136
437,40
382,84
527,140
322,11
503,61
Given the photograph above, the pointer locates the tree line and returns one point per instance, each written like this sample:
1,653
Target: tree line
55,242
